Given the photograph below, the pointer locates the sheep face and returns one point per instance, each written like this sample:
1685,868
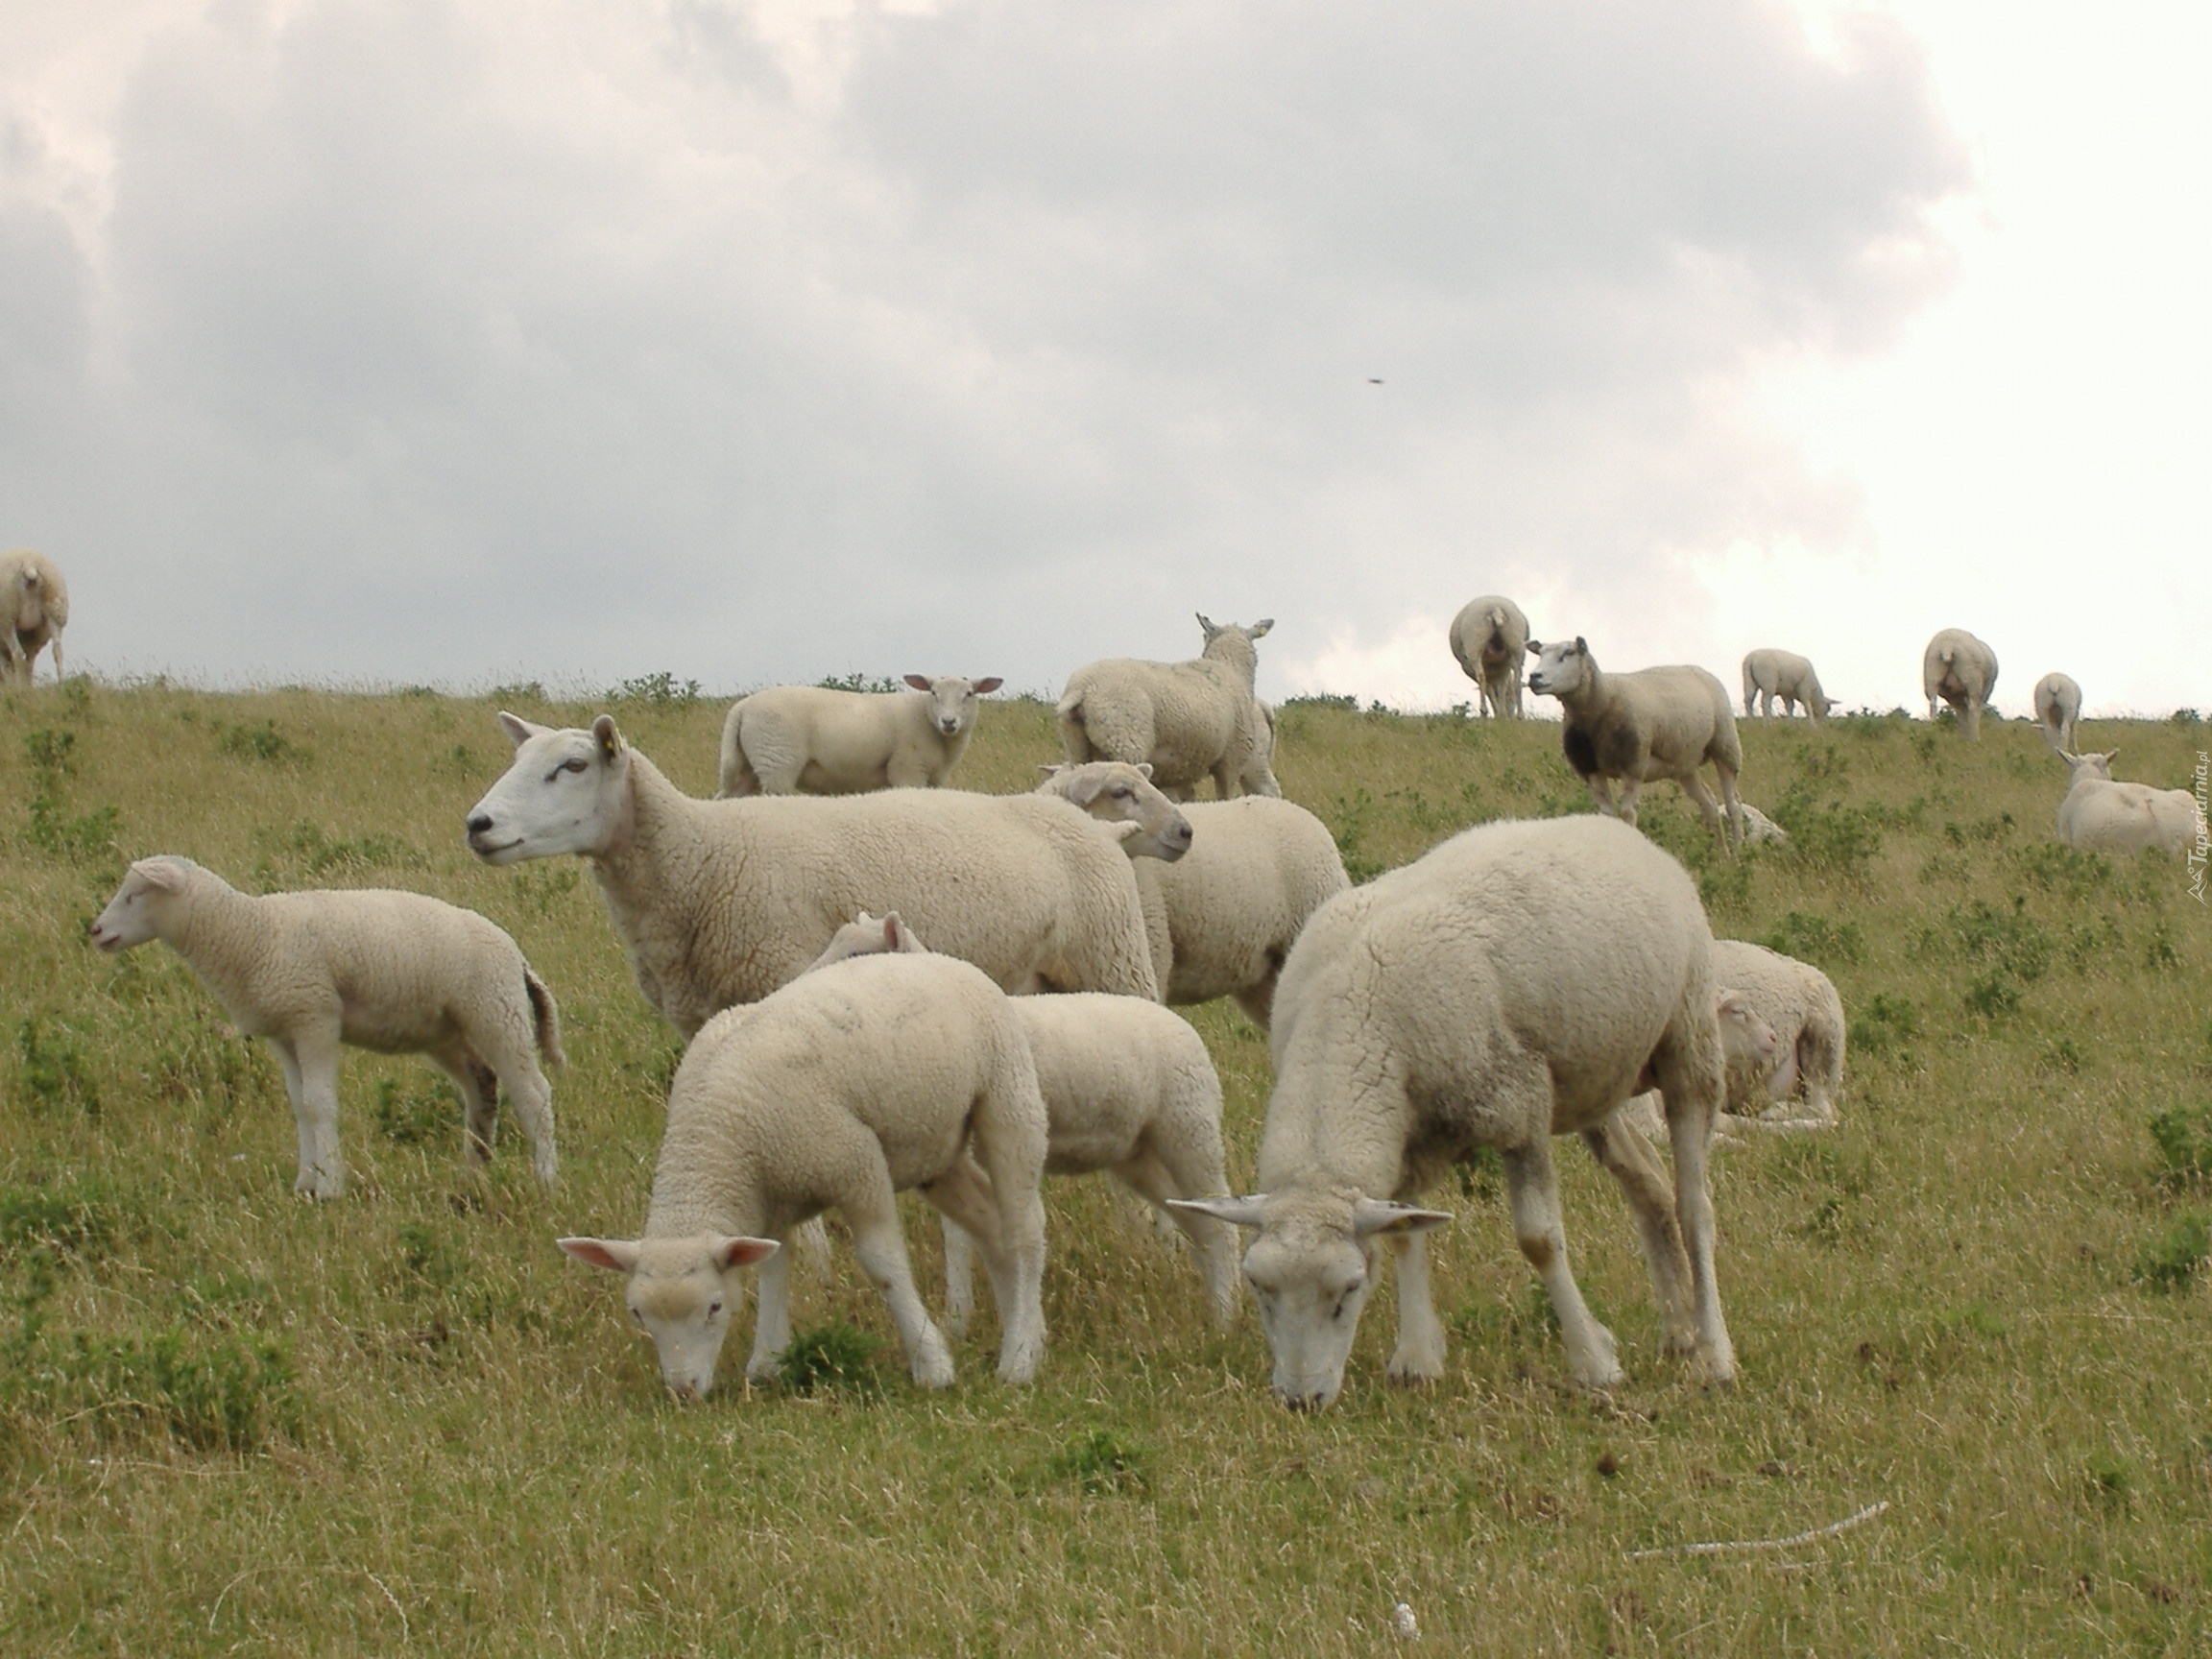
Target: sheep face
1311,1269
953,700
1745,1039
682,1293
134,914
1114,792
1562,668
567,792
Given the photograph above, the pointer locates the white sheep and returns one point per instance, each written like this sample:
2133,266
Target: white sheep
37,602
396,972
1521,980
1221,918
1636,727
1116,793
2059,710
720,903
1786,678
1128,1088
1488,636
1190,720
792,738
1961,671
2100,815
1795,1005
1748,1049
1758,828
1258,775
841,1090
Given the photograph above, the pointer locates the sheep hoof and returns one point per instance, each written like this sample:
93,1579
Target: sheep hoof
1414,1370
932,1366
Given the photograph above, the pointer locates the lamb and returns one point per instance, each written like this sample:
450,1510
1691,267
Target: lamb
1794,1006
1962,671
720,903
1758,828
1221,920
33,588
844,1087
1749,1049
2058,710
1786,678
1128,1088
2099,815
1636,727
793,738
1190,720
396,972
1519,982
1488,636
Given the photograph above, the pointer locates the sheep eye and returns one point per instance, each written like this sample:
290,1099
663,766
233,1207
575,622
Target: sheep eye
573,764
714,1306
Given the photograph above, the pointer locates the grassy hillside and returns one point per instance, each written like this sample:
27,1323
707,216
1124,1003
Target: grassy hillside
233,1422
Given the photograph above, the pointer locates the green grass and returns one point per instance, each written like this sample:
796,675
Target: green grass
230,1421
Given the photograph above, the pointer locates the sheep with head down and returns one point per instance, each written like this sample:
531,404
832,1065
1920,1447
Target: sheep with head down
1488,636
1959,669
2058,704
1771,676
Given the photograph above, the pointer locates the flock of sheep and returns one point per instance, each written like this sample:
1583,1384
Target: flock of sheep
847,946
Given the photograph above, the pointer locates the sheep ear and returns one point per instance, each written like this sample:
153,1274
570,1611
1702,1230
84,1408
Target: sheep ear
1083,788
1582,646
988,685
159,873
897,935
1535,647
1236,1212
519,729
1144,769
1052,768
615,1255
1259,628
1210,629
727,1252
1373,1215
608,740
920,681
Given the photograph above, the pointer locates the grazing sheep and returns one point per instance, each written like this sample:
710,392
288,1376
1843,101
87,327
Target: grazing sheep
1222,918
1128,1088
1522,980
789,739
396,972
2099,815
1748,1049
1115,792
841,1090
1786,678
2058,710
1190,720
1488,636
720,903
32,588
1959,670
1759,827
1636,727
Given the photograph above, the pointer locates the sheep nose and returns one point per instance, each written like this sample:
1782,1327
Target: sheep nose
479,822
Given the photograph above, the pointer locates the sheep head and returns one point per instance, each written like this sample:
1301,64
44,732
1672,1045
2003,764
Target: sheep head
567,791
1561,670
953,700
1115,792
682,1292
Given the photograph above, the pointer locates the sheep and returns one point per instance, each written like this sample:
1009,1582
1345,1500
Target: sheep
1521,980
39,599
838,1091
1786,678
1794,1006
1758,828
1748,1046
1190,720
2058,710
396,972
1636,727
2099,815
1258,775
1488,636
1117,793
1959,670
792,738
1222,918
720,903
1128,1088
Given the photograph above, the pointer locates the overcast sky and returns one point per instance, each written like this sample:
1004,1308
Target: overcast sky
400,341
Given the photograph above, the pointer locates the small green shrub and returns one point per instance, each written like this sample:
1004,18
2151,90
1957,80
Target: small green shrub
413,1116
2184,1136
1816,939
1885,1025
2058,868
50,751
262,742
1101,1461
2010,940
2064,1054
661,690
859,682
427,1255
2172,1260
1840,838
1993,997
1350,829
52,1067
838,1359
210,1392
86,1216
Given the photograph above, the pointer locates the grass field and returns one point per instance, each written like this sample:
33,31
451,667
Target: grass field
234,1422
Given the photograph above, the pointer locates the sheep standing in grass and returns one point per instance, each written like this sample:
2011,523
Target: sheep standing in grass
1488,636
2058,710
1636,727
842,1089
1786,678
33,610
789,739
1128,1088
1521,980
720,903
1961,671
1190,720
2099,815
397,972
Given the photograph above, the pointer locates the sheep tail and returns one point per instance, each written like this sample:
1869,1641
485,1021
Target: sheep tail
546,1018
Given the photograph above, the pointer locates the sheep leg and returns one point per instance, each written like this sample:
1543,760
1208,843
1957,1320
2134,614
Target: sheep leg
1533,1189
872,1215
772,1320
1180,1170
1630,790
1259,1001
479,1090
514,1059
1419,1357
959,1276
1009,1142
314,1063
1691,1088
1627,1157
1602,792
968,1209
970,1197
